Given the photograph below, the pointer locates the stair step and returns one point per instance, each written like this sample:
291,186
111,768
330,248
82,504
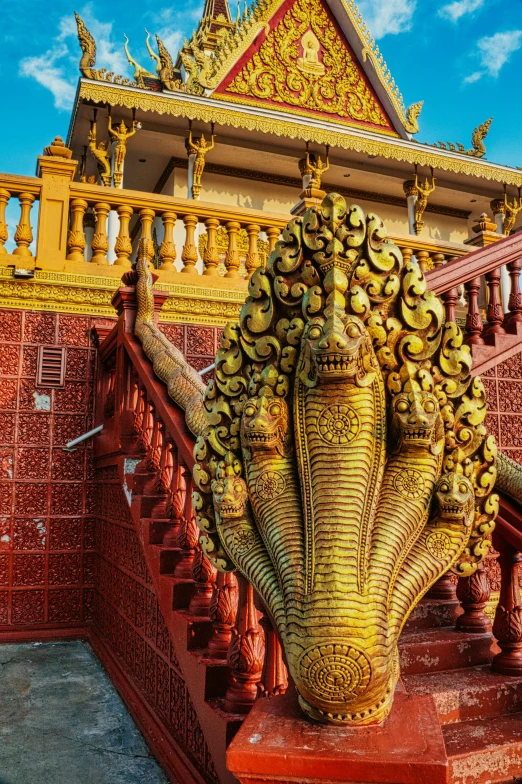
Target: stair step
434,650
472,693
433,613
485,751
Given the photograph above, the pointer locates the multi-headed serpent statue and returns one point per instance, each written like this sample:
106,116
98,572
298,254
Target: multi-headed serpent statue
342,460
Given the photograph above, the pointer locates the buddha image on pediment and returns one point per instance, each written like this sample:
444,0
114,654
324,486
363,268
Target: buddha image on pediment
309,63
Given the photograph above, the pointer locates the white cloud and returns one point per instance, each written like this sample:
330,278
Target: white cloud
459,8
45,71
388,17
494,52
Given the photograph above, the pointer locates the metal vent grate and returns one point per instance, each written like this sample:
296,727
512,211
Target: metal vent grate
51,366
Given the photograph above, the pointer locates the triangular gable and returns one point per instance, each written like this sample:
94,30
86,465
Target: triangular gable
302,63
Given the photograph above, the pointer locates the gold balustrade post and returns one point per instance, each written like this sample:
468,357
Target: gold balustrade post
100,240
438,259
407,254
272,232
123,244
57,170
232,260
211,254
190,253
4,232
24,234
76,237
168,249
422,257
147,216
252,259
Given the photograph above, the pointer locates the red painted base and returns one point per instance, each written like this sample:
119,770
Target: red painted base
277,744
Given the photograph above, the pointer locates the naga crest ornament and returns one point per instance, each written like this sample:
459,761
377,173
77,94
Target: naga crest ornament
346,465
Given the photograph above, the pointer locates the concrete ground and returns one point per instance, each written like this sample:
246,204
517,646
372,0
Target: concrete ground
62,722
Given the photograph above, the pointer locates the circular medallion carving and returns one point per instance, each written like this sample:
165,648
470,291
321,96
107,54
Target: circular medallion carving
338,424
243,541
335,672
409,483
438,545
270,484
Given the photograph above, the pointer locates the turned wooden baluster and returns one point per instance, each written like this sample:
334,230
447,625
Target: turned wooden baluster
164,477
474,324
76,237
147,216
246,654
211,253
188,533
167,251
252,259
222,611
273,234
232,259
438,259
156,445
204,576
140,411
189,255
4,232
515,295
407,255
175,499
146,427
473,593
507,626
100,240
443,590
123,244
24,234
495,311
450,299
274,679
423,258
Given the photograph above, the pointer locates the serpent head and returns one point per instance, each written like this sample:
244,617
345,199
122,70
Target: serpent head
454,495
264,426
230,496
416,420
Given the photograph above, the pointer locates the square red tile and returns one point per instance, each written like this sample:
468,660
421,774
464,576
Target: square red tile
28,607
6,462
89,533
73,397
8,394
65,569
9,359
67,427
32,463
29,361
77,364
5,534
200,340
65,606
40,328
33,397
4,605
65,533
74,330
68,466
34,429
6,498
31,498
7,428
28,570
30,533
4,570
67,499
11,325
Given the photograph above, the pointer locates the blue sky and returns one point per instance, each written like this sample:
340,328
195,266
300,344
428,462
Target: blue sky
463,57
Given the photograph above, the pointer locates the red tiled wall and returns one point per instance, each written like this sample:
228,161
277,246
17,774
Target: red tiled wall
129,621
46,494
504,398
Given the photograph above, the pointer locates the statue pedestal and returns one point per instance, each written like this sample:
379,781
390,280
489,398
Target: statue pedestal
310,197
277,744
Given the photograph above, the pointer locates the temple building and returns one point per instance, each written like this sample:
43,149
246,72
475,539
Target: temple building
199,160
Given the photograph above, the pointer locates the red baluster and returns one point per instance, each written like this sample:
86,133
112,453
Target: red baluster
473,593
140,411
507,626
474,324
443,590
204,576
223,611
246,654
495,311
156,444
450,299
515,296
188,533
274,679
174,505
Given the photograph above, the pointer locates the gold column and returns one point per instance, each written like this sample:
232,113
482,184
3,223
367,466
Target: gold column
189,254
438,259
422,257
147,216
76,238
407,253
123,244
57,171
252,259
4,233
211,254
24,234
232,260
100,241
272,232
168,249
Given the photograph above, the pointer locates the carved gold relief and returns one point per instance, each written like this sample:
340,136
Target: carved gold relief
346,465
221,248
305,45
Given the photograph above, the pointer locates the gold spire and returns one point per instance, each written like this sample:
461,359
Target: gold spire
215,21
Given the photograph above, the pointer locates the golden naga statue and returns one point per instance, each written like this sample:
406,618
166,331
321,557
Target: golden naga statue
346,465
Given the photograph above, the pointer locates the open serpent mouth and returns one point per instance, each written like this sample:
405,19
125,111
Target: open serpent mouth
231,510
259,437
416,434
336,363
452,510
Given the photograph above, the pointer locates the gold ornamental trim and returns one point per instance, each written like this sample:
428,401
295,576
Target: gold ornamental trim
129,98
62,292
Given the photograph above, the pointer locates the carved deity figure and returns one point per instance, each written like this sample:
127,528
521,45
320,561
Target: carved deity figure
309,63
422,191
512,208
120,135
100,154
199,147
312,166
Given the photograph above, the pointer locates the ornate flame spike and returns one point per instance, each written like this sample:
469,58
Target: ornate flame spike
341,363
